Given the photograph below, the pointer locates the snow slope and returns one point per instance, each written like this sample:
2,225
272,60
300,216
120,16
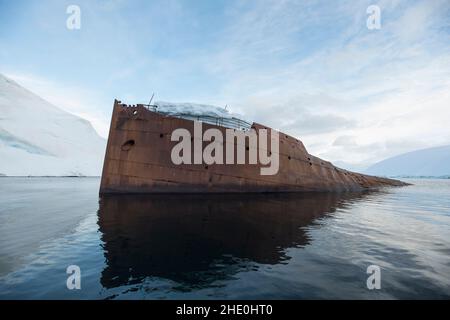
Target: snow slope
426,162
39,139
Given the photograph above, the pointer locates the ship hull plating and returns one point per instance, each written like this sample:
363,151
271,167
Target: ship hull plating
138,160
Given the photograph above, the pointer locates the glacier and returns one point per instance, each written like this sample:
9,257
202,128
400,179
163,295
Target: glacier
40,139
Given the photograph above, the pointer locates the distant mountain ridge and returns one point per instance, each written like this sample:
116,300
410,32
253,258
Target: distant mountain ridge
430,162
39,139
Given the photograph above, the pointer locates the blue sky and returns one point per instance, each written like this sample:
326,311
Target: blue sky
309,68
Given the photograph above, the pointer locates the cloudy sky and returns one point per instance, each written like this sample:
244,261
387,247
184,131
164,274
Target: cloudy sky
309,68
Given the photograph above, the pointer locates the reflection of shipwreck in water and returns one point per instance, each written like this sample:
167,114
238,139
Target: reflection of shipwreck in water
196,240
138,158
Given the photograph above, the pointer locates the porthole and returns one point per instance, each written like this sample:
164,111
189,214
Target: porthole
127,145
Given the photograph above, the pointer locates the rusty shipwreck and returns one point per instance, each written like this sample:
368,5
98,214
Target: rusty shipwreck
138,159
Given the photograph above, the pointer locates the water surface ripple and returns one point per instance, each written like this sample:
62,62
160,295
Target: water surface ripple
296,246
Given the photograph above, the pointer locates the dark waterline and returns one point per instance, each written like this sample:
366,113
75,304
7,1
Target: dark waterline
222,246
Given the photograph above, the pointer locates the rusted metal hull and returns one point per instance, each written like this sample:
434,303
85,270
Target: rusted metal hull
138,160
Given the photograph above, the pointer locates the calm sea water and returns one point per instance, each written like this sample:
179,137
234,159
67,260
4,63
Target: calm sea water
222,247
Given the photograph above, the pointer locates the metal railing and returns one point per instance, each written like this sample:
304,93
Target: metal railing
233,123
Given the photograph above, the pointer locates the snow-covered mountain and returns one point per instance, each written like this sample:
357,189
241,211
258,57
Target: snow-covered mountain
426,162
39,139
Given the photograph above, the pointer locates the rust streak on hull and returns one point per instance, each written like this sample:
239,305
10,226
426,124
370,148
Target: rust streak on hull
138,160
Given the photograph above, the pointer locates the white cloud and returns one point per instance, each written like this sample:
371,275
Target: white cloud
312,69
388,89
